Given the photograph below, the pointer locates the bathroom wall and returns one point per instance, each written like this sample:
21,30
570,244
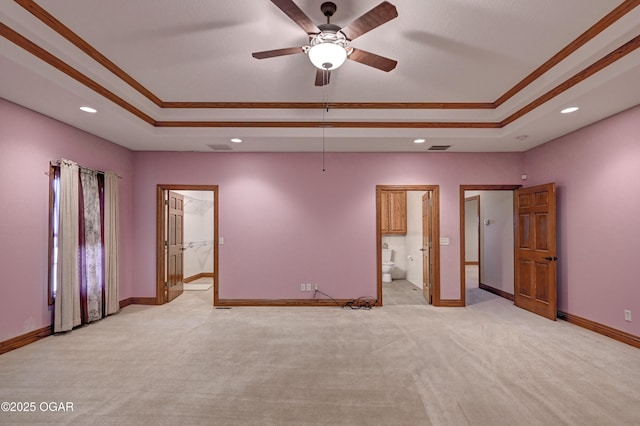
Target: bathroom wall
597,175
198,232
28,142
413,242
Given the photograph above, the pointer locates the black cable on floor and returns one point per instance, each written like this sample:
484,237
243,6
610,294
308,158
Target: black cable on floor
364,302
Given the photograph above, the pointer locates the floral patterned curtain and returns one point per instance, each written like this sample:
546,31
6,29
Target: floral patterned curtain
91,247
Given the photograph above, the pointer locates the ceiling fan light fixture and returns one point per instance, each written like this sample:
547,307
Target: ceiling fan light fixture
327,56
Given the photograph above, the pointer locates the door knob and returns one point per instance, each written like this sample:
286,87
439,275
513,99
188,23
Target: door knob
549,258
422,249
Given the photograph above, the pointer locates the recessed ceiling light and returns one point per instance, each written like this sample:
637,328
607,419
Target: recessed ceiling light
88,109
236,140
569,110
419,140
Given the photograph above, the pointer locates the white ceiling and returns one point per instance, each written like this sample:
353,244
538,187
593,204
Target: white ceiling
455,51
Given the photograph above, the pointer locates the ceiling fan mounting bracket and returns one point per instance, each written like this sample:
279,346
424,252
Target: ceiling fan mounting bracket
328,9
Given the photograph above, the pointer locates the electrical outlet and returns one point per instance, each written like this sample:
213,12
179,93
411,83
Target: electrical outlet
302,287
309,287
627,315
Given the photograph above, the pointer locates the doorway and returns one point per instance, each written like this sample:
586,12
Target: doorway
407,222
187,239
486,218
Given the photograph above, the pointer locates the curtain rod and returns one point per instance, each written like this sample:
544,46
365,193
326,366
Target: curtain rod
57,163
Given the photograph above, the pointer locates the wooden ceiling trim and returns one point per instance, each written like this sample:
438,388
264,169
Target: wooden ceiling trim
604,62
57,26
45,17
60,65
57,63
330,105
335,124
616,14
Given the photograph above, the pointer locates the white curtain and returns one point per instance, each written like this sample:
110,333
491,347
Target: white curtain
111,243
67,303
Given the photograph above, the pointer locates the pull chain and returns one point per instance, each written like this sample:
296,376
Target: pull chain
325,102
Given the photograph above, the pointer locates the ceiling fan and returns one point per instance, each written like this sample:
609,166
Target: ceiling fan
329,45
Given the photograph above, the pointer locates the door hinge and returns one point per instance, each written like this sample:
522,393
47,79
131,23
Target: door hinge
166,243
166,284
166,202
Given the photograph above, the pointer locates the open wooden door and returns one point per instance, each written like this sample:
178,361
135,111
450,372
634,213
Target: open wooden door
175,246
535,250
427,244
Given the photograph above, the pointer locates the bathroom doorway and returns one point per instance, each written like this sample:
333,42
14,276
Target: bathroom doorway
187,240
408,225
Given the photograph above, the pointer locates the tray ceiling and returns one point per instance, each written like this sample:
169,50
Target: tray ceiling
489,75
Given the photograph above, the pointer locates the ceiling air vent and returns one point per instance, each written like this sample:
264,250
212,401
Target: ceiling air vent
439,147
220,147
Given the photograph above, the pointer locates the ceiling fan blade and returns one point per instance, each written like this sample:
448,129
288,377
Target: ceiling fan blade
277,52
297,15
322,77
373,60
384,12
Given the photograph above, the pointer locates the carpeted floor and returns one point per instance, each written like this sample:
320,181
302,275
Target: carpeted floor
187,363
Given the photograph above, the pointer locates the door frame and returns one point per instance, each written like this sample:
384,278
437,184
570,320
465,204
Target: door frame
435,190
160,221
463,188
427,270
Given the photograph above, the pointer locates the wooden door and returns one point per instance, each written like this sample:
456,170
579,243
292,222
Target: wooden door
535,250
175,246
427,247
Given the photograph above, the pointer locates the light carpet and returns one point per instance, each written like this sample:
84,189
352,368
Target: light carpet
188,363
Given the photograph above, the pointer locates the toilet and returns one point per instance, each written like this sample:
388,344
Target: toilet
387,264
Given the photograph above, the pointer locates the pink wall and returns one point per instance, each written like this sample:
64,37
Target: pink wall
597,172
28,142
285,221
